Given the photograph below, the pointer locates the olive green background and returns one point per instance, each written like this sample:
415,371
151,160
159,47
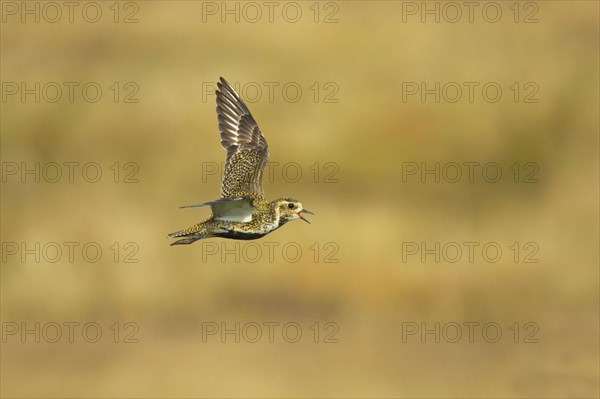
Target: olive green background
364,212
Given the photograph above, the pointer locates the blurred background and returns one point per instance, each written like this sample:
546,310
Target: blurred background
332,86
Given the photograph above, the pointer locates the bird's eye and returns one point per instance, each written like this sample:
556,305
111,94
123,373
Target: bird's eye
291,206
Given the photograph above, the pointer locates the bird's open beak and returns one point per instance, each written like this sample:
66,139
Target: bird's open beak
305,211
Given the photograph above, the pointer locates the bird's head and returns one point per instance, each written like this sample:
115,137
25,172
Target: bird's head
289,209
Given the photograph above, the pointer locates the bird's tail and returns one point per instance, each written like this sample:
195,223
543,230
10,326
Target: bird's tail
190,235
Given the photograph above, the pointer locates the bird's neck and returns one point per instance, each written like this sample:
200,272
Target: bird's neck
275,215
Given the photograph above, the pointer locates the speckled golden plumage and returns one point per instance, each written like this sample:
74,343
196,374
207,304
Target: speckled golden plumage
242,212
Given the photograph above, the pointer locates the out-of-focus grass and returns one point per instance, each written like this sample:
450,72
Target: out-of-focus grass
368,214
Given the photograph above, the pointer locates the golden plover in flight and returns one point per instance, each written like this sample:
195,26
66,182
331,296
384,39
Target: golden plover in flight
242,212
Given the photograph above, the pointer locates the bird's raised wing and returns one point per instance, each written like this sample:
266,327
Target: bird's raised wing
247,150
237,209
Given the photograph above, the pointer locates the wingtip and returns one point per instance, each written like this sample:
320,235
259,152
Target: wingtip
224,86
223,82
